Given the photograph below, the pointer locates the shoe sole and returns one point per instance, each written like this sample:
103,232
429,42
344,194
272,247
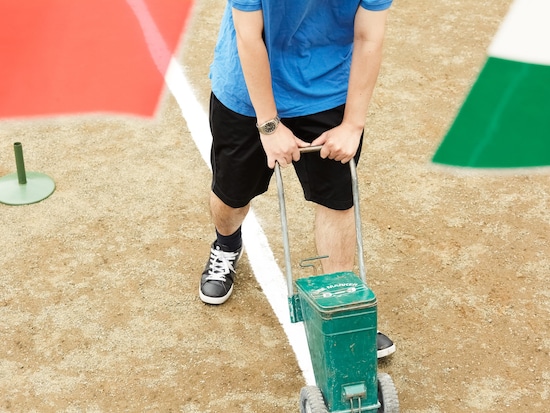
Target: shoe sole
385,351
215,300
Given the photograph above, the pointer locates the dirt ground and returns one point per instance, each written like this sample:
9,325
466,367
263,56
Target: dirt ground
98,283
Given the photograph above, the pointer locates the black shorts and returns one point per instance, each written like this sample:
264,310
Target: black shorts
239,163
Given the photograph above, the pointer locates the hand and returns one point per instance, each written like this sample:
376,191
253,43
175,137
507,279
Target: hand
339,143
282,146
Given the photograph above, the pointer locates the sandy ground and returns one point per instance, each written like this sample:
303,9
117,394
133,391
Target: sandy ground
98,284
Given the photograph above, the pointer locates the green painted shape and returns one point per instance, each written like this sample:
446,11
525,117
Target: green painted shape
505,120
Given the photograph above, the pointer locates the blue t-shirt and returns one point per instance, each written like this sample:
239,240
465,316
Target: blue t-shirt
309,43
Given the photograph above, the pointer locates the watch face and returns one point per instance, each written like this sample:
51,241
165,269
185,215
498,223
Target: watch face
270,127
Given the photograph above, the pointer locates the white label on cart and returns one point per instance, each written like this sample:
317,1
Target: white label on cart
335,290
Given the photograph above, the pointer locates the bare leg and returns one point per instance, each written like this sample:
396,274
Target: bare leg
335,237
226,219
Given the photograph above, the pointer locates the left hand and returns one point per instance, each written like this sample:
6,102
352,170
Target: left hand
339,143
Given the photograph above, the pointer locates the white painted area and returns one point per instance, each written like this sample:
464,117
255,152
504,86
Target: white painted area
259,254
524,35
274,286
191,109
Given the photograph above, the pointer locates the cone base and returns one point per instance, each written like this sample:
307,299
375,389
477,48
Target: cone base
38,187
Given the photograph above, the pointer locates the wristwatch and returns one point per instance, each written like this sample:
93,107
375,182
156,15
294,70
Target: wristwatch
267,128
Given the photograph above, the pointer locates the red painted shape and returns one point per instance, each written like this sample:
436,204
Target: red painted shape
84,56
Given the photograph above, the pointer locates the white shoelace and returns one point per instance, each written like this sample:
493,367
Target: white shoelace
221,263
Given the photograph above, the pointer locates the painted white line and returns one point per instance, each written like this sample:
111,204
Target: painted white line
259,254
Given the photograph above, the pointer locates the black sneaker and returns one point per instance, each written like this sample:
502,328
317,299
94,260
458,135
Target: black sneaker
217,278
385,345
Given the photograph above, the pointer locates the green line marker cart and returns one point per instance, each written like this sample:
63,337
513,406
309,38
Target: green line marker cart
339,312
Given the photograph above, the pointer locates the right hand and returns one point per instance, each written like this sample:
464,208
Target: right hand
282,146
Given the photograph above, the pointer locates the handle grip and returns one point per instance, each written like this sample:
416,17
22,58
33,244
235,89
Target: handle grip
309,149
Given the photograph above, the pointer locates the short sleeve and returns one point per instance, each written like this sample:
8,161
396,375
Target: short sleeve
246,5
376,5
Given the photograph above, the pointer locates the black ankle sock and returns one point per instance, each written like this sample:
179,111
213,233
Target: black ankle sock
231,242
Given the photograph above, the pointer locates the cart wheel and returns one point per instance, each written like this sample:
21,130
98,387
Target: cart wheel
387,394
312,401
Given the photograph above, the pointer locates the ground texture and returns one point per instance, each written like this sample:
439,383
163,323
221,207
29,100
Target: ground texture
98,284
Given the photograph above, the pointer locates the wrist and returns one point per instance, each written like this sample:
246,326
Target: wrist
270,126
354,126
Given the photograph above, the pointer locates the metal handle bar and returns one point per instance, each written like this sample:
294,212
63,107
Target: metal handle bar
309,149
284,222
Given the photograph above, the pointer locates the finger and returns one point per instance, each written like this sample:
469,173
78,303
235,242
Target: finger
346,159
302,144
320,140
339,158
297,154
